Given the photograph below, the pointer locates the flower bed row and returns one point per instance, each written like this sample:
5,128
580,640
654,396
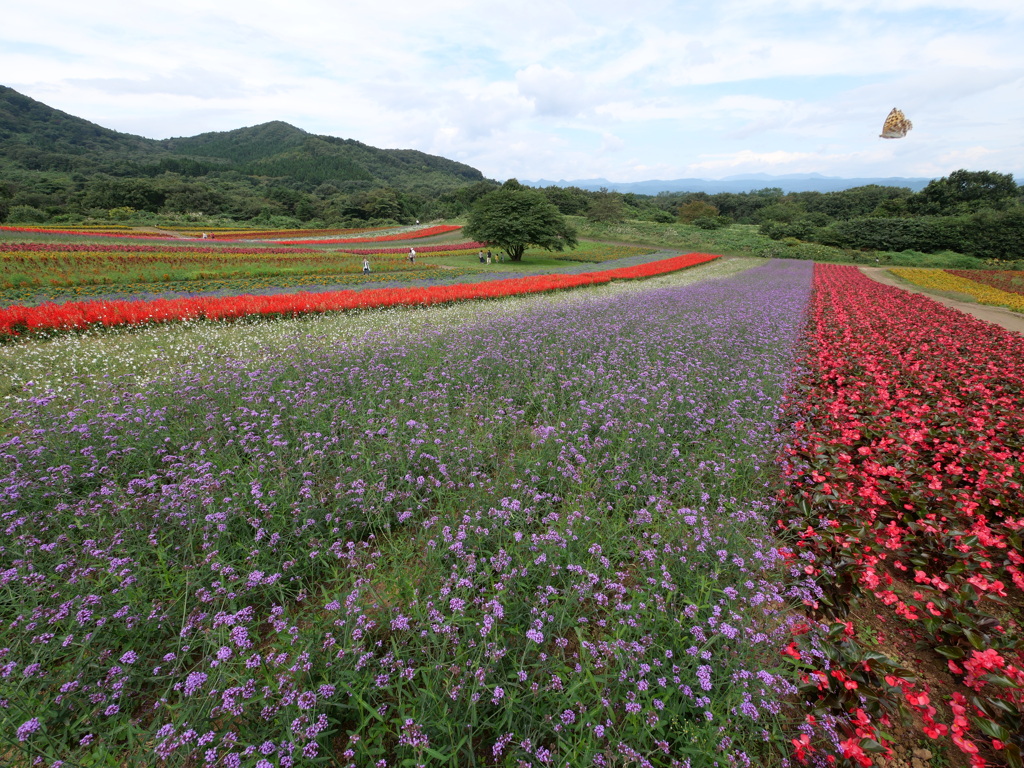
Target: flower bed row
19,320
962,281
33,276
87,233
421,251
1011,281
414,234
272,234
905,501
221,233
151,290
12,248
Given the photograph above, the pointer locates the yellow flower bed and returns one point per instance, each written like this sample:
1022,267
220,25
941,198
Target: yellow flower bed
941,280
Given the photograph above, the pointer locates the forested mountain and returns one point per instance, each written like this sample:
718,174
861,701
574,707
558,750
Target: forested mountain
280,149
36,137
53,164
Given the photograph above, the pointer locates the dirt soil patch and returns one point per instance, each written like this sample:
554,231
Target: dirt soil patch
1012,321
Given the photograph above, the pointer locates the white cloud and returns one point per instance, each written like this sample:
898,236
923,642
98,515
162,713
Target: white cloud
555,89
555,92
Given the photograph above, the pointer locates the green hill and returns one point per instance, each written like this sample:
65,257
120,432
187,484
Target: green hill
34,136
280,149
57,164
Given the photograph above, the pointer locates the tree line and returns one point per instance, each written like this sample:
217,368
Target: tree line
978,213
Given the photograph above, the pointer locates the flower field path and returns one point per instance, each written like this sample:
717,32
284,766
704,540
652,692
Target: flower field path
1006,318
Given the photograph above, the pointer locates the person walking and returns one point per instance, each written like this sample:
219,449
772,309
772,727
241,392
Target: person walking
366,266
412,256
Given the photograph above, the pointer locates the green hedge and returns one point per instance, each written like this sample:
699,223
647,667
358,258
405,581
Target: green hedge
986,234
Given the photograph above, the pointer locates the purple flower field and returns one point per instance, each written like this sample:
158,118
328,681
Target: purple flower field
539,541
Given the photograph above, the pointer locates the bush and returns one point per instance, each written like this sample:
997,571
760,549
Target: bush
25,214
712,222
802,228
994,234
986,234
942,260
921,233
657,215
694,210
791,248
67,218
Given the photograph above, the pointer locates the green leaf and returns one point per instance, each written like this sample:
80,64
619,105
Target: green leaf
1001,680
870,745
992,729
435,754
976,639
953,630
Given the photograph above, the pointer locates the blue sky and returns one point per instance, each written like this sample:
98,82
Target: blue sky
627,91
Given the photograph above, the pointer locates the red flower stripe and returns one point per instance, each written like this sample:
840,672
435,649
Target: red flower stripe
45,231
9,248
905,484
186,234
262,234
20,320
472,246
411,235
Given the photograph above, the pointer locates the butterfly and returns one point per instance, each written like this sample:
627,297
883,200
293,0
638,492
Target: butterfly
896,125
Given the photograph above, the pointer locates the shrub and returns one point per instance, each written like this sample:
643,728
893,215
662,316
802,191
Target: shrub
922,233
802,229
994,234
697,209
943,260
657,215
25,214
712,222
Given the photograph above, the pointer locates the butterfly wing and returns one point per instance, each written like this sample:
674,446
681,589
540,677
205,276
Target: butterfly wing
896,125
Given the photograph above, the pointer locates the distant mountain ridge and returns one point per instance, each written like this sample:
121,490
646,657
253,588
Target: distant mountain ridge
791,182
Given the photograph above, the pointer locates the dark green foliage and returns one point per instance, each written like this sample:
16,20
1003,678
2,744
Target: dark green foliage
985,234
572,201
607,206
656,215
696,209
869,200
515,218
802,225
919,233
712,222
106,193
967,191
994,234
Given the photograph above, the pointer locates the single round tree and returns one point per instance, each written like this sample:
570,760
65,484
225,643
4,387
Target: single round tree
515,218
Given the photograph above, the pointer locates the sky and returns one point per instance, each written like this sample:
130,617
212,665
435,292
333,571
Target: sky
554,89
